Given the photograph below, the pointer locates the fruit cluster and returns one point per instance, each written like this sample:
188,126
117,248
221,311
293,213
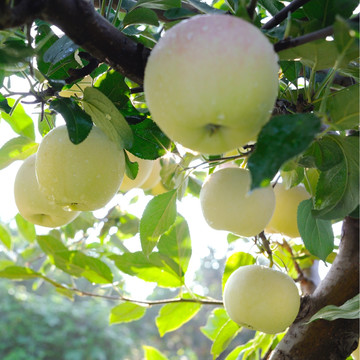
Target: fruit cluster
62,179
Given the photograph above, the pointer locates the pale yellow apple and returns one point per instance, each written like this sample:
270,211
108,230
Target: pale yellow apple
145,167
79,177
284,220
32,204
261,298
211,82
158,189
154,176
228,205
78,88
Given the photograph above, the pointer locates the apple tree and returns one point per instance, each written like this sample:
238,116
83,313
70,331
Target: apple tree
276,81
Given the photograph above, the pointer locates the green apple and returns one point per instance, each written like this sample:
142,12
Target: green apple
158,189
261,298
211,82
79,177
32,204
228,205
154,176
284,220
145,167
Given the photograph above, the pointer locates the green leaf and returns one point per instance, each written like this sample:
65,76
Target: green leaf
149,141
176,244
173,316
343,108
19,121
205,8
317,234
4,106
318,55
159,4
131,167
126,312
158,216
224,337
113,85
18,273
155,268
345,37
337,192
75,263
150,353
141,16
78,122
349,310
18,148
326,10
26,228
105,115
215,322
60,50
5,237
234,262
282,138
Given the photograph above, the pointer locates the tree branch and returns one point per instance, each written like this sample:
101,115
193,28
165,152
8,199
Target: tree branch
283,13
321,339
149,302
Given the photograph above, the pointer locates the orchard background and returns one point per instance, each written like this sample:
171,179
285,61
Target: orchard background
311,139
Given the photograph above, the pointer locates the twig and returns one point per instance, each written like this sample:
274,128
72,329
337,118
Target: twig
316,35
148,302
251,8
283,13
300,40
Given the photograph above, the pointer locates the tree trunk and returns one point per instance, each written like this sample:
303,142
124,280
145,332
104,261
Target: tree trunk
322,339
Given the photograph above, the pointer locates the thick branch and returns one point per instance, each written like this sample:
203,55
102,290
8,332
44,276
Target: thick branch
79,20
321,339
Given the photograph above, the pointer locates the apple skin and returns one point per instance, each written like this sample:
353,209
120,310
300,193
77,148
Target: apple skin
33,204
261,298
145,167
154,176
79,177
284,220
158,189
227,204
211,83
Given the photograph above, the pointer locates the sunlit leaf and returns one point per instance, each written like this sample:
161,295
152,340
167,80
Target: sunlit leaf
18,148
150,353
173,316
26,228
105,115
126,312
158,216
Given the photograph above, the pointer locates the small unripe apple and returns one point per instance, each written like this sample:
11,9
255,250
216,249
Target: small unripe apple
32,204
145,167
211,82
228,204
284,220
79,177
261,298
154,176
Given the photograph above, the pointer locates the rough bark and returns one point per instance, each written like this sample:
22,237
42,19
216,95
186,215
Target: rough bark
322,339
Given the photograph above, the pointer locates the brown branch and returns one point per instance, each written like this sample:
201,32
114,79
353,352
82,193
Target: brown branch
316,35
322,339
283,13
